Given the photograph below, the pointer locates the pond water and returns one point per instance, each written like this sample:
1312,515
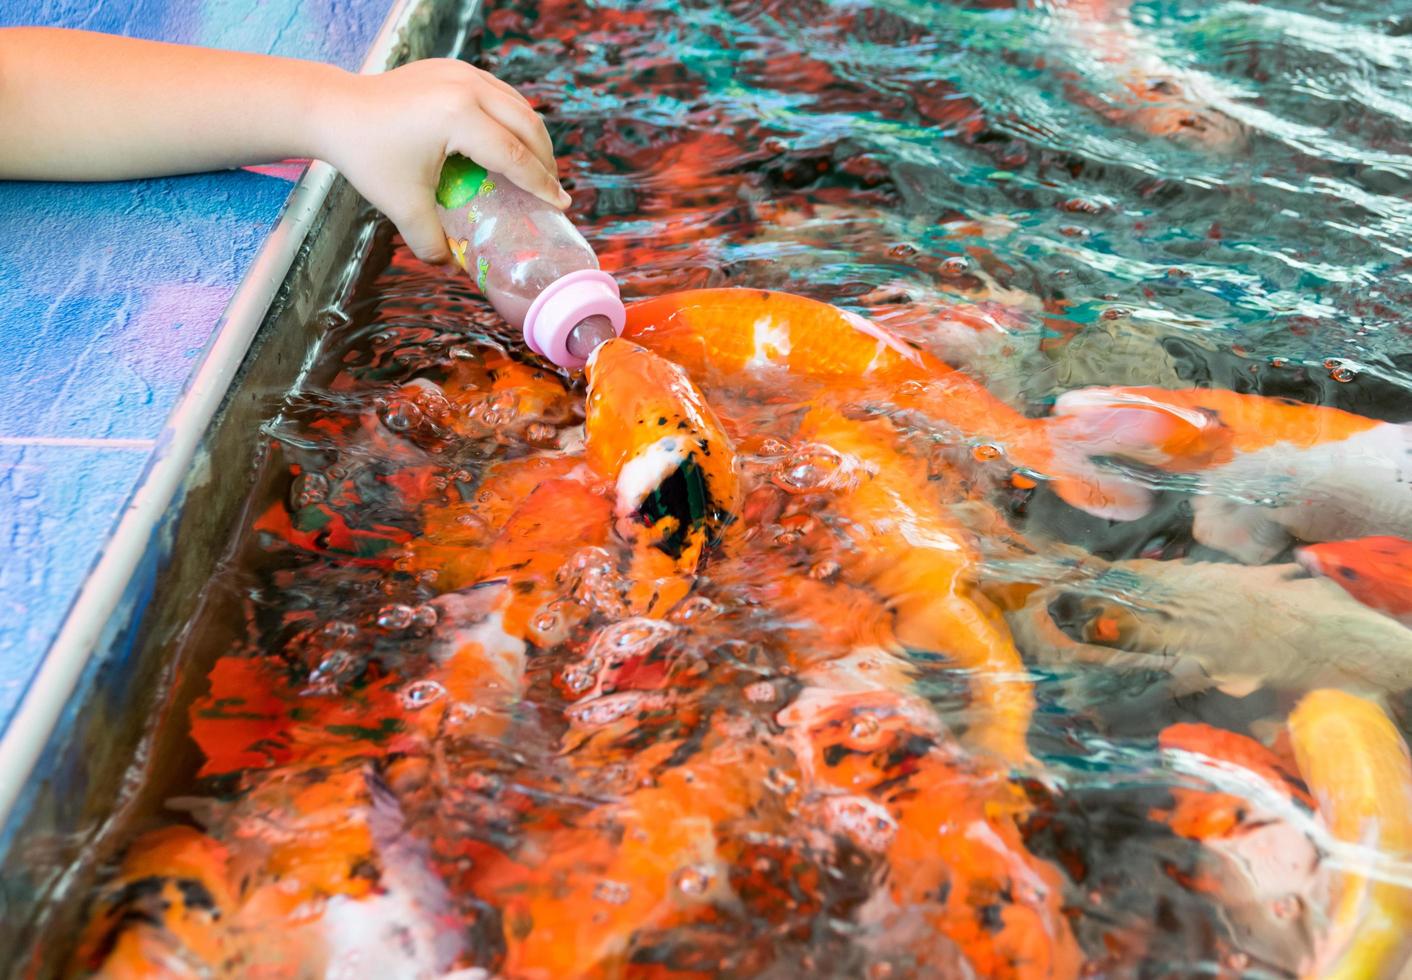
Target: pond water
476,723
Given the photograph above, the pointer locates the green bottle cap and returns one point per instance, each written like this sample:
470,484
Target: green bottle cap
460,181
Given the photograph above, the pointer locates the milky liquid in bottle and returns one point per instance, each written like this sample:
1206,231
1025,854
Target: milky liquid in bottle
530,262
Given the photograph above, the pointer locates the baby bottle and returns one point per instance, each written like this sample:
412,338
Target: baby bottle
530,262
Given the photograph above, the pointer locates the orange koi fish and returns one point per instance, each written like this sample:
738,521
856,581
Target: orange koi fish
314,878
907,549
574,900
875,766
672,465
1266,469
1376,571
726,338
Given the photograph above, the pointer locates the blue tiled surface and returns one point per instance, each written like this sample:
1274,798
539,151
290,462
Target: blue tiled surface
109,297
61,503
103,333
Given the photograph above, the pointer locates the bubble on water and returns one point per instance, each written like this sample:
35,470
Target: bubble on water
902,251
694,609
419,694
824,570
337,631
459,714
336,668
581,676
813,468
1340,370
581,561
865,726
395,617
496,410
694,880
1074,231
424,617
773,447
986,451
1279,362
1115,313
612,892
401,415
632,637
595,581
604,710
1081,205
1236,960
955,267
779,781
308,489
861,820
761,692
540,432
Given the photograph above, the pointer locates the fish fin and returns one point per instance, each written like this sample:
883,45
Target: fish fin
1237,686
1246,532
1102,495
1137,426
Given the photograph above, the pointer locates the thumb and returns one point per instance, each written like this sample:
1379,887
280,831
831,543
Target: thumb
421,230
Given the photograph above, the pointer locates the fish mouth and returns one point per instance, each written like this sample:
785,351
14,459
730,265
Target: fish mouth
665,490
1308,561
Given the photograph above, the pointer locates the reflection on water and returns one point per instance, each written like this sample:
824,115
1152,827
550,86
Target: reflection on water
491,713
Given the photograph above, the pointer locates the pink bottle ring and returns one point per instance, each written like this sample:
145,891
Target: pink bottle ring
567,302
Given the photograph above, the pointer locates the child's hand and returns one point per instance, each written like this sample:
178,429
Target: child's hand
390,134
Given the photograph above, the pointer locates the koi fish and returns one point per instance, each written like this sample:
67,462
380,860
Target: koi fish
673,467
922,561
1218,625
909,551
1256,861
1357,767
1265,470
1376,571
537,548
1145,93
731,338
324,857
1299,908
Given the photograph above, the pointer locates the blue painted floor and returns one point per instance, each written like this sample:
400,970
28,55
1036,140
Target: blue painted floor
110,294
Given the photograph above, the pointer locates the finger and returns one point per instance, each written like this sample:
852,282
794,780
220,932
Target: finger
496,148
525,123
505,87
421,229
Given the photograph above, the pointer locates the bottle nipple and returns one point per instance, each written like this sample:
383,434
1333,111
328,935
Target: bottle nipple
588,333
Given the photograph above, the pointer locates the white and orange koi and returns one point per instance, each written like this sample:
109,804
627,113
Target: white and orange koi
1265,470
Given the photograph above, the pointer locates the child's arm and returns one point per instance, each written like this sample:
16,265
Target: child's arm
81,106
